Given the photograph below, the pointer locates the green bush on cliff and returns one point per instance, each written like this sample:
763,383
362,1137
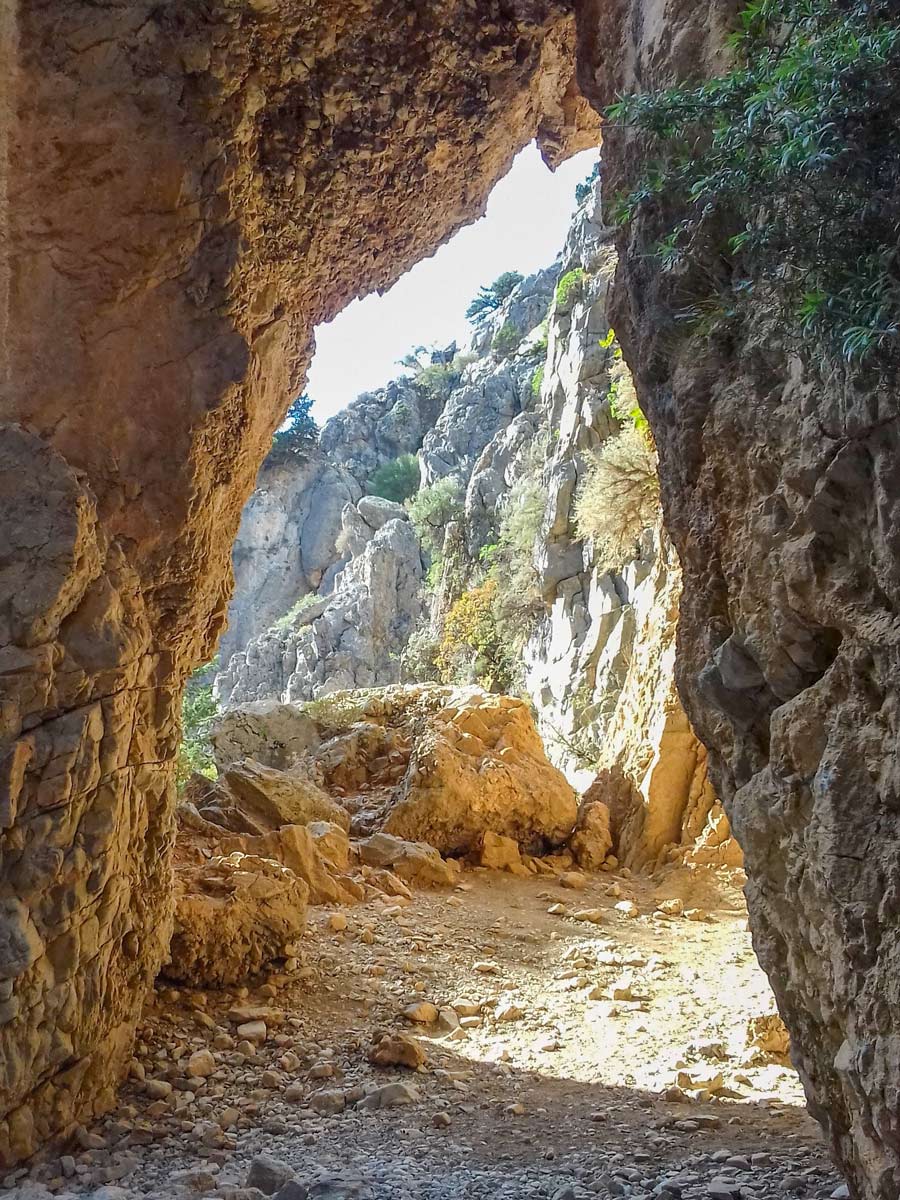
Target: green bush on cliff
619,497
396,480
289,619
506,340
779,182
432,509
569,286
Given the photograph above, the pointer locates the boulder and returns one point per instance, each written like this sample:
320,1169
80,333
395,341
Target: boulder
592,840
332,843
234,914
294,847
415,862
500,853
768,1034
482,768
268,798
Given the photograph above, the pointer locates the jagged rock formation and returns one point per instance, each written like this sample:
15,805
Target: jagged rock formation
189,191
353,638
600,663
780,492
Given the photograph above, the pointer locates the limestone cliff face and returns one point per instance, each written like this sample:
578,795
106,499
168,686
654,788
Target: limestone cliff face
599,664
780,491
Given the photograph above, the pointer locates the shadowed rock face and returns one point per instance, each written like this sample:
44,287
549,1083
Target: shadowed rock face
188,190
782,495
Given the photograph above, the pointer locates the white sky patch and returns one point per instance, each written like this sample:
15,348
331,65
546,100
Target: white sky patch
527,217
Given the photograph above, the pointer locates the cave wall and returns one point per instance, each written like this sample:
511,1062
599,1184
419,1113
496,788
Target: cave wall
781,493
186,191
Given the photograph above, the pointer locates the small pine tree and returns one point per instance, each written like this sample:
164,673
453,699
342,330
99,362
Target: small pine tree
298,435
490,297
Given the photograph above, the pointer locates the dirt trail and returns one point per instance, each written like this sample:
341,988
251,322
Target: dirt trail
553,1088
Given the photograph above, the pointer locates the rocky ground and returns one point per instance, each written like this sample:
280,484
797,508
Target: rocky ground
575,1041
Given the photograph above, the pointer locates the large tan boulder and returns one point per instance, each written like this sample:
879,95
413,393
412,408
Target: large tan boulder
268,798
234,914
413,861
479,766
294,847
592,840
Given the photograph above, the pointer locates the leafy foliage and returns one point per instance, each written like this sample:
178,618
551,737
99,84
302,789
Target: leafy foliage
785,173
396,480
569,286
472,646
300,435
584,189
622,397
537,381
439,379
432,509
491,296
418,662
198,708
506,339
619,497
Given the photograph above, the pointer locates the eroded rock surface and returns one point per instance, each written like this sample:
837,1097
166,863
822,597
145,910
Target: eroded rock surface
428,764
192,189
780,491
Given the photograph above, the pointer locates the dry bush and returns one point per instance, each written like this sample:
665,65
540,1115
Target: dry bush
619,497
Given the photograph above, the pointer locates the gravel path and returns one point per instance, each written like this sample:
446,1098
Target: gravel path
587,1045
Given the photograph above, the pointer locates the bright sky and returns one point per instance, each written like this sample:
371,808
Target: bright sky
524,228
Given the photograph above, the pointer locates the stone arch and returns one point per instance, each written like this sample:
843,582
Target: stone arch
188,190
185,191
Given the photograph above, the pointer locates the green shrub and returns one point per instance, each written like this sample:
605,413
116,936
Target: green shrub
537,381
289,619
336,711
396,480
432,509
473,647
569,287
512,566
619,497
198,708
438,379
506,339
300,435
779,182
418,662
490,298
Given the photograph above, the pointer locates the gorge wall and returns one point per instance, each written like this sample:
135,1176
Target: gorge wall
186,192
780,491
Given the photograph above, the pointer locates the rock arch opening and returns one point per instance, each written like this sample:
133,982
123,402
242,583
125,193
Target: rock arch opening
187,191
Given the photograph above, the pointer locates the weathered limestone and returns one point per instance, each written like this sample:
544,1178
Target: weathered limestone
233,915
781,492
187,191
